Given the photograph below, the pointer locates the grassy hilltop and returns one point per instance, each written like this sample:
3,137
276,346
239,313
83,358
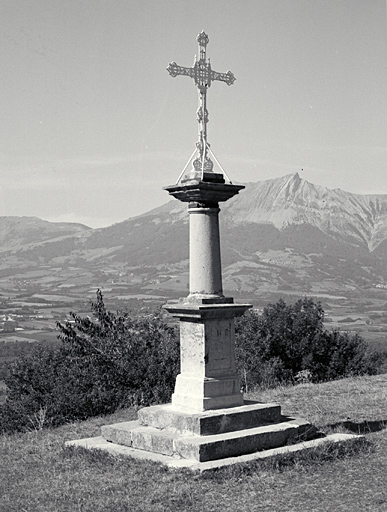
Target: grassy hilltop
40,474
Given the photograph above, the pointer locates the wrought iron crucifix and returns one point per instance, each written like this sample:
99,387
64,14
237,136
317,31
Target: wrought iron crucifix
202,75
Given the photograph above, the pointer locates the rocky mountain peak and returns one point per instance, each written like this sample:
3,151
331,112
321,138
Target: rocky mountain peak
292,200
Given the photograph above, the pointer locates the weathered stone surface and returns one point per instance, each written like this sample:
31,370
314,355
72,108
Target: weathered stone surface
232,444
153,440
200,393
251,414
187,445
135,435
120,433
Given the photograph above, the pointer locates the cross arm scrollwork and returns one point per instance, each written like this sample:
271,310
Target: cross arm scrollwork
228,77
175,70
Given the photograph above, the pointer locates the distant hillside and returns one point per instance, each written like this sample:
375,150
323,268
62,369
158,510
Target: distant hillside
19,232
278,234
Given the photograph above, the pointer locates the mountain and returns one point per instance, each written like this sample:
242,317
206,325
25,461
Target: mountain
284,234
17,232
291,200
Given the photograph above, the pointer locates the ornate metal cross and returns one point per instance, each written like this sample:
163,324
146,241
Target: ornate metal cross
203,75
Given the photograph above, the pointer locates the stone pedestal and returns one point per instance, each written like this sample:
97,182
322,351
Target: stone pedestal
208,378
208,423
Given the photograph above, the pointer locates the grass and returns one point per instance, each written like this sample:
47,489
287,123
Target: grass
40,474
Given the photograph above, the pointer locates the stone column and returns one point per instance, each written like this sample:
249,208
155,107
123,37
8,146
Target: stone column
208,379
205,272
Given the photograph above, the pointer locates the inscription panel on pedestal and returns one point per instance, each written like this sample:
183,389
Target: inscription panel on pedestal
219,353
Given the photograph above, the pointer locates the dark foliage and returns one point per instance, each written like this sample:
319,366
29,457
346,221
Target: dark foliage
105,362
285,340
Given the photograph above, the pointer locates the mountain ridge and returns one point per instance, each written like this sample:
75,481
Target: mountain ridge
293,200
276,234
16,232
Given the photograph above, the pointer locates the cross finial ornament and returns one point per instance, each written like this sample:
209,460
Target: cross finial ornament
202,75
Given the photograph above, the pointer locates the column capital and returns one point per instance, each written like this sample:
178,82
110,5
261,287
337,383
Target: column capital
204,192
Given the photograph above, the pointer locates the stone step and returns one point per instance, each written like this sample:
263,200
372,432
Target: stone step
209,447
251,414
98,443
232,444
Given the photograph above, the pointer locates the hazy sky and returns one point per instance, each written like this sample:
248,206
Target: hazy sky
92,125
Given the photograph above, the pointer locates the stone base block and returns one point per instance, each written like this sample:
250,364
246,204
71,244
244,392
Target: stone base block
239,435
232,444
250,414
206,403
167,431
207,394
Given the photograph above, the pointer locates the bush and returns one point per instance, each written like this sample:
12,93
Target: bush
285,340
103,363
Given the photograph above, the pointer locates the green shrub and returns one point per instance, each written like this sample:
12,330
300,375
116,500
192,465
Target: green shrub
103,363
